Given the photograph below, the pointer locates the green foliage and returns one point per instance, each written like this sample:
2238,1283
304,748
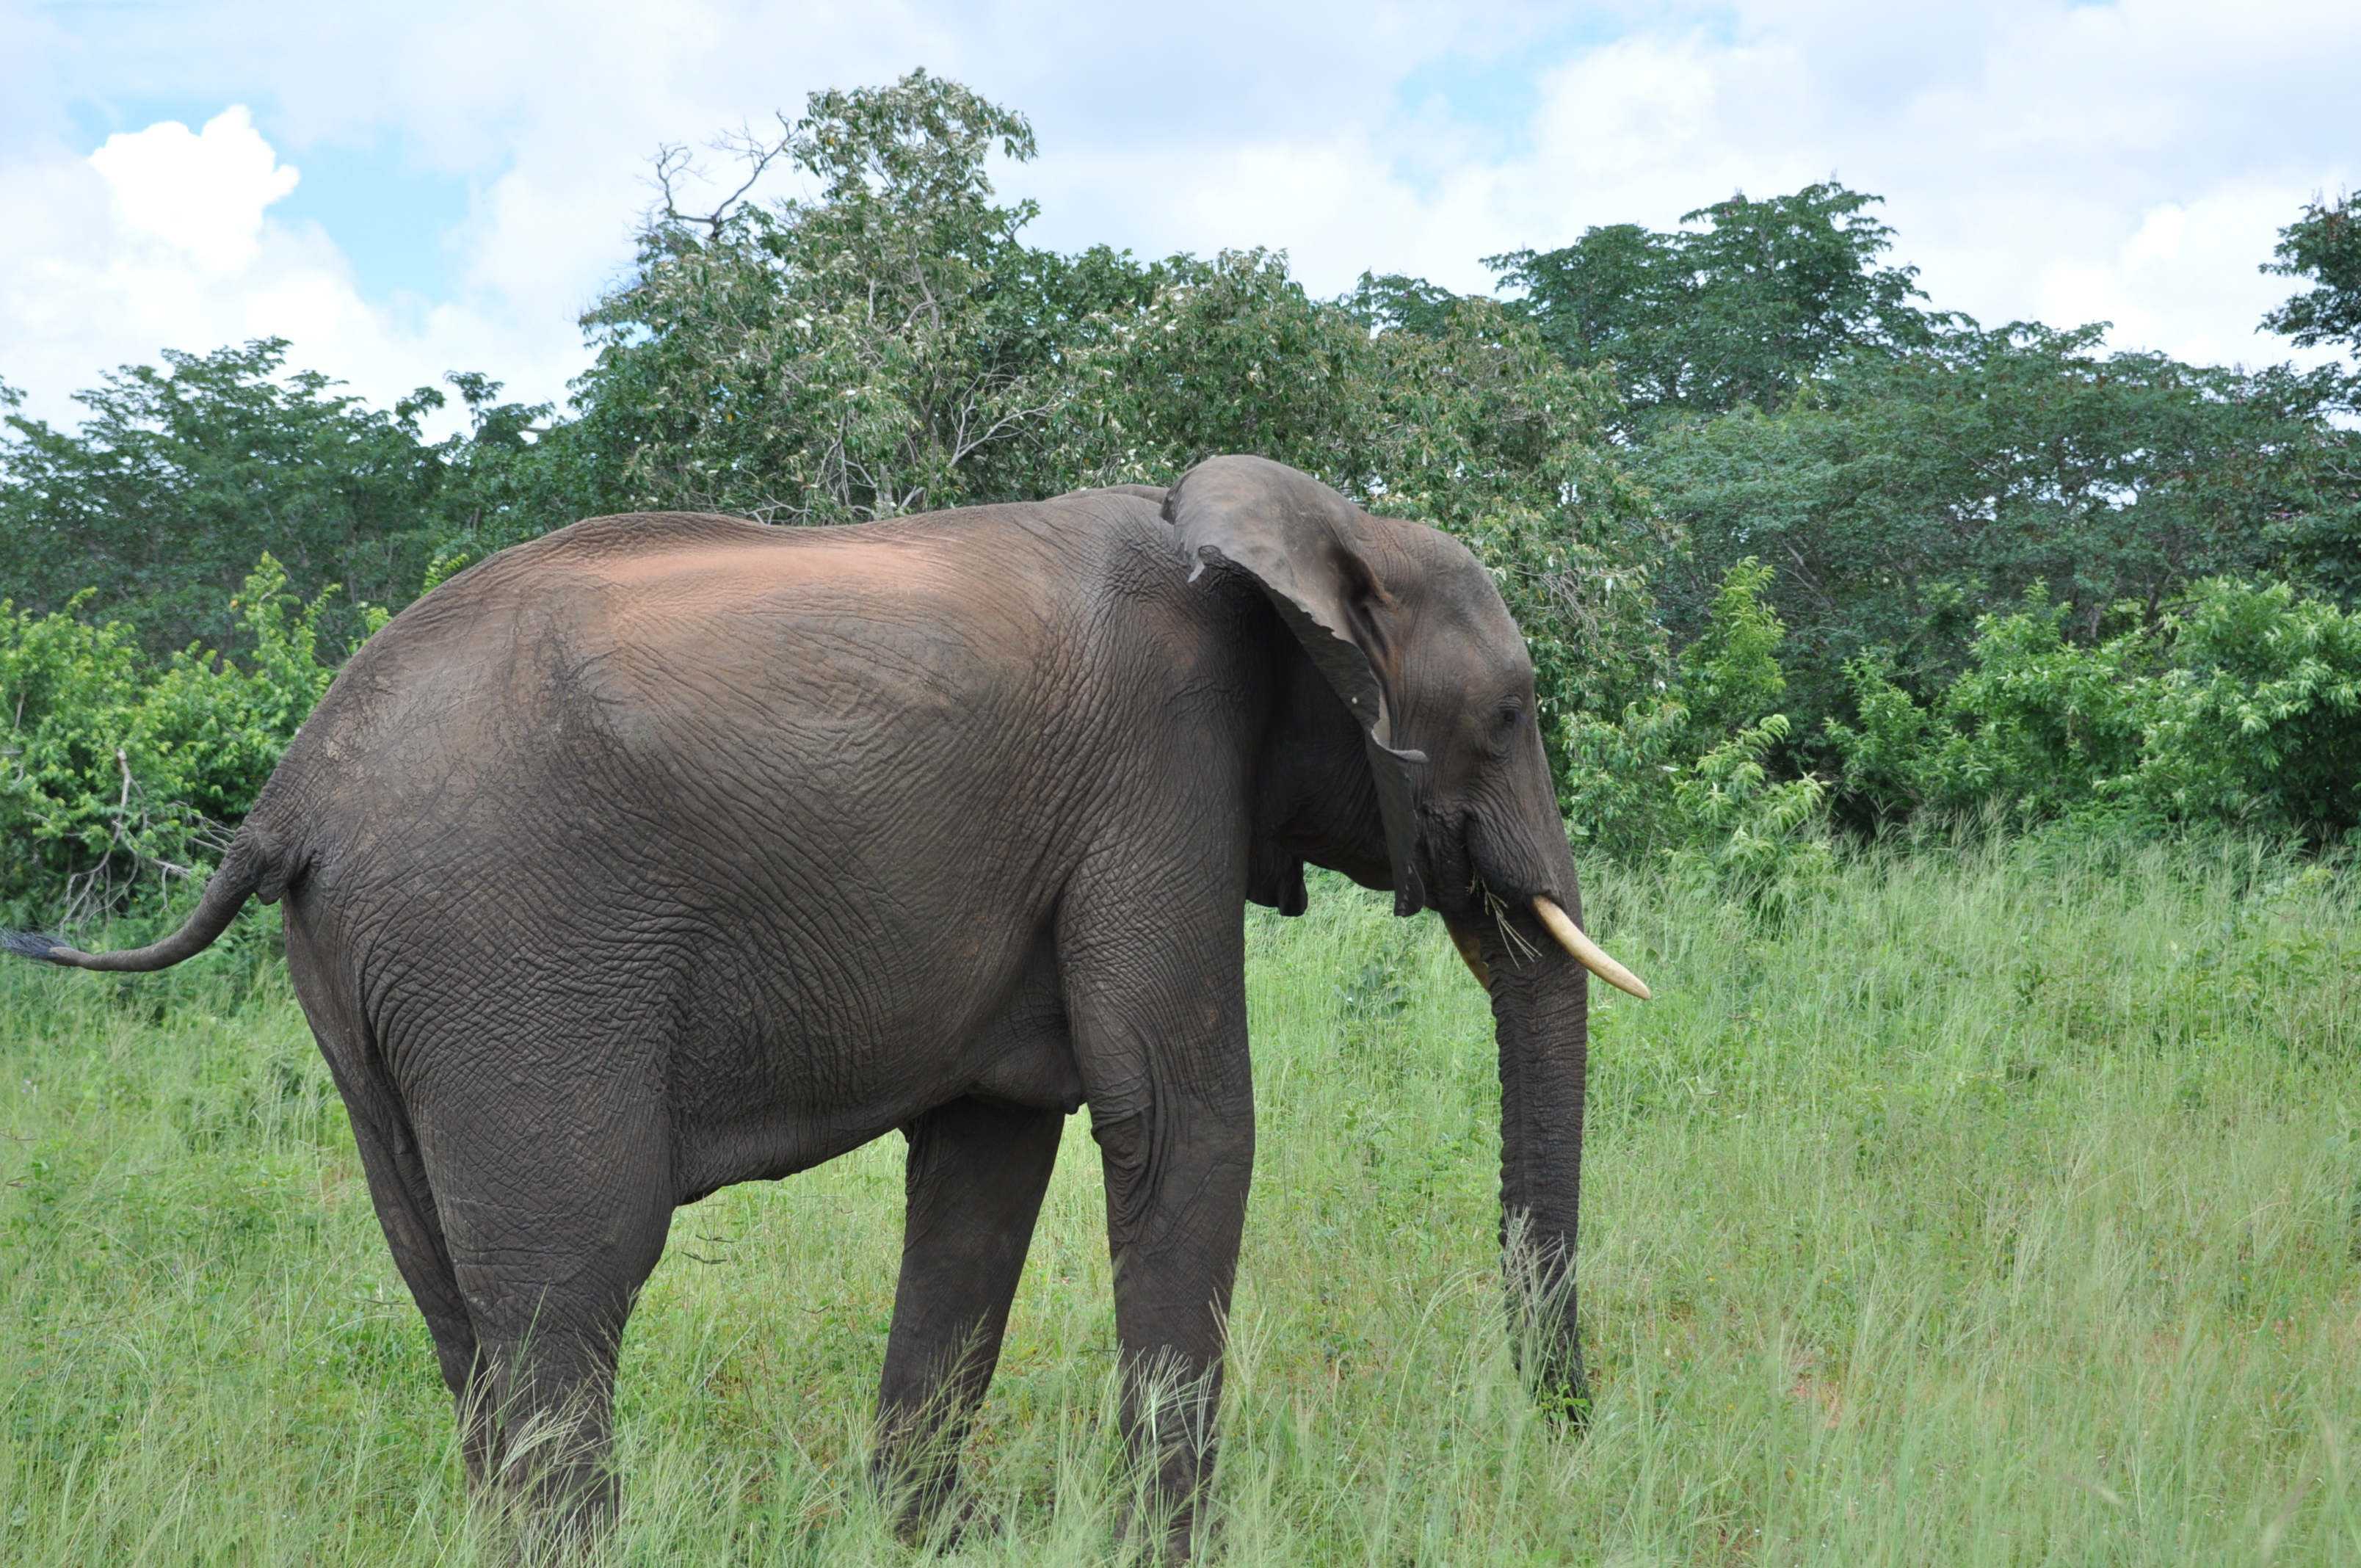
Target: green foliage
1395,302
1229,355
1907,471
1621,446
1684,773
1739,312
1904,494
890,346
516,476
2237,705
2323,245
180,477
122,777
839,360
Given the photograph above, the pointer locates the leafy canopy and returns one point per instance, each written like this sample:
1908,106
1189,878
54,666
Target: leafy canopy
123,779
1739,311
1777,534
2324,246
838,359
181,476
2237,705
1686,773
1903,495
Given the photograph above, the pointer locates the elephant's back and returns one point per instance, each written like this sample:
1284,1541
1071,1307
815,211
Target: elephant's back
654,700
635,578
559,616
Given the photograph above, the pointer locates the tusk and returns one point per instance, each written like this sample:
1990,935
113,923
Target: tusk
1465,941
1587,953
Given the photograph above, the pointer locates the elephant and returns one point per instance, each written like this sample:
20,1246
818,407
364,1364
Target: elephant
668,851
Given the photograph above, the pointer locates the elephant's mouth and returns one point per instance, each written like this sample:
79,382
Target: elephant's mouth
1485,899
1571,936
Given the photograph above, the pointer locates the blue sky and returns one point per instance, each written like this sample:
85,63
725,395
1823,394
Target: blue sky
403,190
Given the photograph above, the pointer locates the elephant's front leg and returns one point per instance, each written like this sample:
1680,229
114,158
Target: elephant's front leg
1151,953
976,1174
1177,1174
1160,1033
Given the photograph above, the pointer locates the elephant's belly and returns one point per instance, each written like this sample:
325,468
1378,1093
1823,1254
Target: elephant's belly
828,1095
1038,1072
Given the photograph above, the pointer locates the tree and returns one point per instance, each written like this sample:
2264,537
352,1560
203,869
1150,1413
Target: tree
1684,772
2324,246
517,475
2235,706
1229,355
832,360
1903,495
180,477
1399,303
125,773
1740,311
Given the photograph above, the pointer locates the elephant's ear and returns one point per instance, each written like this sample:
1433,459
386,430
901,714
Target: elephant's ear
1299,541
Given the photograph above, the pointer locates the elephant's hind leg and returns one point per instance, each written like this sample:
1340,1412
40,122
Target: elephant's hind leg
399,1190
414,1233
977,1171
555,1198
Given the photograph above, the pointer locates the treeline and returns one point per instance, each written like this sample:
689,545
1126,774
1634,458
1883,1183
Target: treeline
1792,549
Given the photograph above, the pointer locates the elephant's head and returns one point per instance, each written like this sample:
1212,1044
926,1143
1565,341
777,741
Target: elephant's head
1406,751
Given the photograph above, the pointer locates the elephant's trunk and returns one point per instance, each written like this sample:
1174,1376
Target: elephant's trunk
1541,1011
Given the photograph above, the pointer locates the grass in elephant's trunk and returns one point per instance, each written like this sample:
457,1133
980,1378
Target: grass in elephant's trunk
1997,1208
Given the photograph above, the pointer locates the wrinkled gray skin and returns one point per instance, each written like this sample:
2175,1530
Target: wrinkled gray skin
666,852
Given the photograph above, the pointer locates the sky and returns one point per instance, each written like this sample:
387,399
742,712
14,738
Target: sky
406,189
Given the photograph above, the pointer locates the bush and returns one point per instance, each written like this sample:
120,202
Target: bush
1685,774
2234,707
123,779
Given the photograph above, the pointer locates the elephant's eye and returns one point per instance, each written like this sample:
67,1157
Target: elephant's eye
1509,713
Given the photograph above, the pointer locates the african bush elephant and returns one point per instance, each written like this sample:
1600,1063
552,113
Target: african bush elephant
671,852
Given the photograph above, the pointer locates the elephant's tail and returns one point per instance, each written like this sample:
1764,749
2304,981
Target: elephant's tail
253,863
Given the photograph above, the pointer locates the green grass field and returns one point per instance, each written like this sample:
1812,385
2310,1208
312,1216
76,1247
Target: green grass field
2001,1209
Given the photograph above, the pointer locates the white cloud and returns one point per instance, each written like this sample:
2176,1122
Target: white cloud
162,238
2128,162
202,194
2186,280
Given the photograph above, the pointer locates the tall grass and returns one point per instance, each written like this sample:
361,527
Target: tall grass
2001,1208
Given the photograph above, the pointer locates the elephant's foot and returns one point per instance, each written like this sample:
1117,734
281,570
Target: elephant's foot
544,1487
924,1510
1548,1357
526,1530
1169,1417
1561,1388
916,1475
1159,1531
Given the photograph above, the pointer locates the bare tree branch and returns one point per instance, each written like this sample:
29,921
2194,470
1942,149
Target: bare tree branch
675,165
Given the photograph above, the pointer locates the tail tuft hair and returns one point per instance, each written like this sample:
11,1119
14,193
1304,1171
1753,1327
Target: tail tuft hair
31,943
